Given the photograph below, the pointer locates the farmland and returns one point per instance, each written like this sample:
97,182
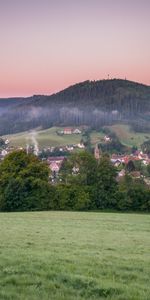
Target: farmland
127,136
49,137
72,255
45,138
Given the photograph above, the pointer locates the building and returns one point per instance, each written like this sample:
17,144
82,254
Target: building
4,152
67,130
54,167
107,138
55,162
77,131
81,146
96,152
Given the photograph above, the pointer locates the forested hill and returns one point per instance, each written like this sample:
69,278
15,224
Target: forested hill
94,103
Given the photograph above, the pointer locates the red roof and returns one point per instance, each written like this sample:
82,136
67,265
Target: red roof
55,158
67,129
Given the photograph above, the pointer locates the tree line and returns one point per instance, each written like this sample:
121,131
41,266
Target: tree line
84,184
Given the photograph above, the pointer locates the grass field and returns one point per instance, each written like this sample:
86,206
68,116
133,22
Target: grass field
71,255
49,137
96,137
45,138
127,136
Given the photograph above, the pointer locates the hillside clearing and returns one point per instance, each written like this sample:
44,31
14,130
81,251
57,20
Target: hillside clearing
49,137
127,136
45,138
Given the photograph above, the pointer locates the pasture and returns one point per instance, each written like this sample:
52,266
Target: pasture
74,255
45,138
49,137
127,136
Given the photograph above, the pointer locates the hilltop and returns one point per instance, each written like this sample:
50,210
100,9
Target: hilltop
94,103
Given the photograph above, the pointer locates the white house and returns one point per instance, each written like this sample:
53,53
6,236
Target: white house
77,131
4,152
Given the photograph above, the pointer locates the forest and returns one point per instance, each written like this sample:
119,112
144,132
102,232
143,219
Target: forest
92,103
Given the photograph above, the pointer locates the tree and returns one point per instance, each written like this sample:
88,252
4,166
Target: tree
106,184
23,182
146,147
71,197
124,200
134,195
148,170
80,169
130,167
2,142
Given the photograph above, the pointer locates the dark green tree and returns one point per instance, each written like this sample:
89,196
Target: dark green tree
148,170
80,169
146,147
106,184
130,167
72,197
2,142
23,182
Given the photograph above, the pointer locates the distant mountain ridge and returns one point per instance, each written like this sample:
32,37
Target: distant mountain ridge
94,103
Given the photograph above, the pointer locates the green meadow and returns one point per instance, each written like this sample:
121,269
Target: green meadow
129,137
45,138
74,255
49,137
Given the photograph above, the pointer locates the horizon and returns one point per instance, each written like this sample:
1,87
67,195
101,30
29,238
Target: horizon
49,45
67,87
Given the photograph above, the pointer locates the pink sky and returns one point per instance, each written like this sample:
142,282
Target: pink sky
47,45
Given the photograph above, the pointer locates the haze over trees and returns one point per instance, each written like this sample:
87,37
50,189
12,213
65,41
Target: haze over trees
93,103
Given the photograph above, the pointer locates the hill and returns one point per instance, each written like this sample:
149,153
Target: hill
94,103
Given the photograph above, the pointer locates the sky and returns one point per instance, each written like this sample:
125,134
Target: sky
48,45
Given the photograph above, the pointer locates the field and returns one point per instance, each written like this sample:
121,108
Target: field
49,137
45,138
71,255
127,136
96,137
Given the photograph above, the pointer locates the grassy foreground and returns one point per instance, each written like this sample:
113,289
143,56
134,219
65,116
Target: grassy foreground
71,255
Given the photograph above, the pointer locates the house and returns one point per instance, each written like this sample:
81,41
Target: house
122,173
4,152
81,146
69,148
67,130
57,159
107,138
6,142
145,162
77,131
54,167
55,163
117,163
75,170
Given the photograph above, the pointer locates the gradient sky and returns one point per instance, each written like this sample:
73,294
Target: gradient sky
47,45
